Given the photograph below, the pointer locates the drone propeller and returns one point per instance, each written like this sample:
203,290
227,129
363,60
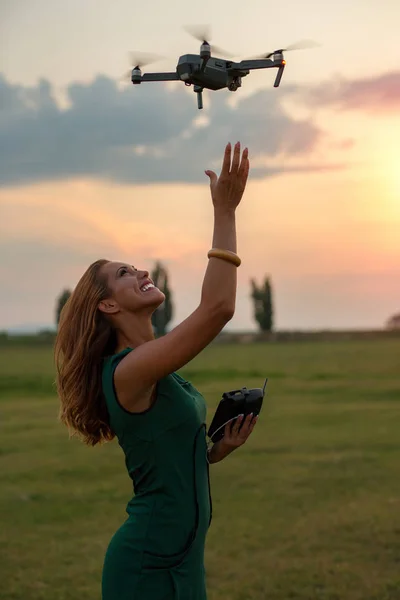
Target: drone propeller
142,59
202,33
302,45
138,60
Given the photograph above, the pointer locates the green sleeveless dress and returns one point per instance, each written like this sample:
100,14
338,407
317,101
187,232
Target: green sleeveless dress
158,552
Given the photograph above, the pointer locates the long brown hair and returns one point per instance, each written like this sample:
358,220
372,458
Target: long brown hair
84,338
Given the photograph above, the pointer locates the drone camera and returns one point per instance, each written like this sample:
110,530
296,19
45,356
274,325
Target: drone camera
234,84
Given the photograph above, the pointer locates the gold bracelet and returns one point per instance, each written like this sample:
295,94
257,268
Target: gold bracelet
225,255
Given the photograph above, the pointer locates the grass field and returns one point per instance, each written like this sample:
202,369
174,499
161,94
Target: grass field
308,509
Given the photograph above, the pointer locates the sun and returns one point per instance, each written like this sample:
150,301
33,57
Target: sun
394,182
385,164
391,186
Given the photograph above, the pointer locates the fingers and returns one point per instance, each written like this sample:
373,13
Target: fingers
232,436
212,176
239,165
244,167
228,430
244,163
253,424
244,432
247,427
236,426
227,160
236,158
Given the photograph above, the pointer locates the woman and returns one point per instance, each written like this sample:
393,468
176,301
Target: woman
115,380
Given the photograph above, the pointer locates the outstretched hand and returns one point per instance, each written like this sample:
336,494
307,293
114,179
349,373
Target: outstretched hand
227,189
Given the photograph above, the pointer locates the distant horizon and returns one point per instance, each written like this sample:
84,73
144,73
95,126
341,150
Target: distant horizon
36,328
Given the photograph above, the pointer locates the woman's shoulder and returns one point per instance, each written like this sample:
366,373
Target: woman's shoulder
172,384
173,403
111,360
109,365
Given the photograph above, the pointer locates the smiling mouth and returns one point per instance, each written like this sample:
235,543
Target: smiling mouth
147,286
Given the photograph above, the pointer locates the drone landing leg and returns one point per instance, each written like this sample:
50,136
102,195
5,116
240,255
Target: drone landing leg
279,76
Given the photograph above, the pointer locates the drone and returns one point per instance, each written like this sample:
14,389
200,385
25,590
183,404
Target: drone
205,71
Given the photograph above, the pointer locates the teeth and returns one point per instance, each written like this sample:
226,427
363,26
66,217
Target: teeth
146,287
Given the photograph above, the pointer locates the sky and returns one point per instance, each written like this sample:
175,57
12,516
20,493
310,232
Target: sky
92,167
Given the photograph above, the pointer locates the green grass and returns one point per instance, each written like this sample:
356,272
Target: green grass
308,509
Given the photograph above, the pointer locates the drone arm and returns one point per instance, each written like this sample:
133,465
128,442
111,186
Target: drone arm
249,65
160,77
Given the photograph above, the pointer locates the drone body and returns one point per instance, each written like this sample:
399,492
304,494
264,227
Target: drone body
205,71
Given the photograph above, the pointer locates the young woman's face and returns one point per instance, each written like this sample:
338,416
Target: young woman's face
131,290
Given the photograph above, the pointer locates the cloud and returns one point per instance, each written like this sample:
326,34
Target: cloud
152,133
377,95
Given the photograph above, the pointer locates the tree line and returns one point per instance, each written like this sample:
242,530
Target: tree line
261,296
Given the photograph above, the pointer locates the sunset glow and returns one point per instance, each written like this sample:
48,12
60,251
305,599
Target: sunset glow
321,214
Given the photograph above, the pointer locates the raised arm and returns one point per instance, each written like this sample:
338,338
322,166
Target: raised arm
151,361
